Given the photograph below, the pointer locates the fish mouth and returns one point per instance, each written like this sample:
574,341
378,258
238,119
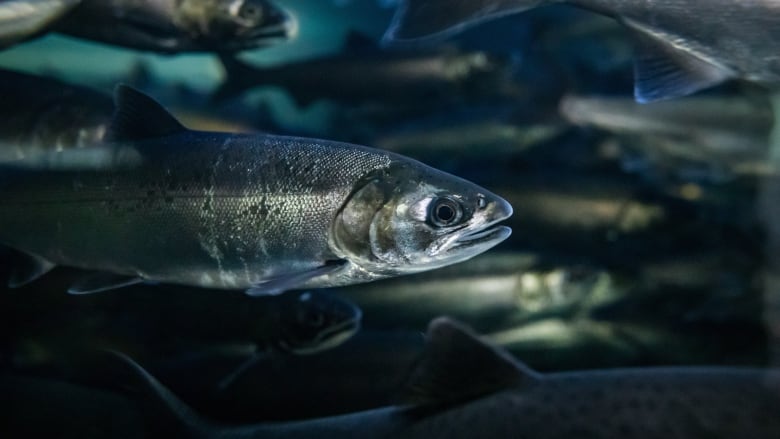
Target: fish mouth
489,234
344,329
331,337
486,235
473,240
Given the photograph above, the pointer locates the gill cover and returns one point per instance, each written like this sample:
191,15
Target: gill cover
352,226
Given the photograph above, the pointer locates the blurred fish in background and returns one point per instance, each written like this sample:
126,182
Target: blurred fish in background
728,133
167,26
727,40
642,257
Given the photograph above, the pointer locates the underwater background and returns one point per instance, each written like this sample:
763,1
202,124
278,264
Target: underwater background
642,235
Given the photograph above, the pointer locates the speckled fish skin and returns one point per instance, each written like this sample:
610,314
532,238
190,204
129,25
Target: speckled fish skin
469,389
234,211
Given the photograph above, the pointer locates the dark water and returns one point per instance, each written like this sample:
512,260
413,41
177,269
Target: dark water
631,247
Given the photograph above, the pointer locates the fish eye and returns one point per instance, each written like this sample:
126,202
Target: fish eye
250,12
481,202
444,212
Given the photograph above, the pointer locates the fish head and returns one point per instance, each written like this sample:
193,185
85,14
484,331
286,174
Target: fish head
315,321
235,25
409,218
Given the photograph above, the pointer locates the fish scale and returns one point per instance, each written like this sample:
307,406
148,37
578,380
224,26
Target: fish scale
207,217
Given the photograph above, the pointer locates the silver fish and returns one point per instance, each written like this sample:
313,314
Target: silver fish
490,291
683,45
24,19
295,323
167,26
466,388
257,212
730,132
40,114
387,76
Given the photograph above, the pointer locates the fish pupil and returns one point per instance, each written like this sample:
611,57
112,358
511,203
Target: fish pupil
445,213
250,12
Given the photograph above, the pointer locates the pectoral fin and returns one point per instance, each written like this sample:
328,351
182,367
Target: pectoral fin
27,269
99,282
665,71
280,284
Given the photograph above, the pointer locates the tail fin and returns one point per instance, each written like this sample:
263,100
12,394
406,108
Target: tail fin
173,410
438,19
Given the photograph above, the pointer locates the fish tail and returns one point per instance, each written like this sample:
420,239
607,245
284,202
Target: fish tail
235,73
171,411
438,19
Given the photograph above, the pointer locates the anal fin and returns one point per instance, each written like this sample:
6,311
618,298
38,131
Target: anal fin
665,71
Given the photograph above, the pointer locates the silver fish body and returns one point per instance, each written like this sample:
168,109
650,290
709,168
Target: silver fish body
683,45
241,211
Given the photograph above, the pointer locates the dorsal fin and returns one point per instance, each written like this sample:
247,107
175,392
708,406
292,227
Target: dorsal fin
137,117
458,365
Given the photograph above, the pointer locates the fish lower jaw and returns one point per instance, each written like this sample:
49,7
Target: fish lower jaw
467,245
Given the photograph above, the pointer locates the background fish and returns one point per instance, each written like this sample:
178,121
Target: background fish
23,19
167,26
296,323
682,47
263,213
463,387
41,115
726,132
362,73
